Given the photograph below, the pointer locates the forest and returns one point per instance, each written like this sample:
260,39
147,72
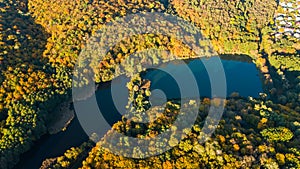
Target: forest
40,42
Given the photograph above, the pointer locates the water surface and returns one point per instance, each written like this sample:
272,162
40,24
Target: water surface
241,77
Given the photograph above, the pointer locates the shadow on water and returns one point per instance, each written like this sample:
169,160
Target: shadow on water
50,146
237,57
165,3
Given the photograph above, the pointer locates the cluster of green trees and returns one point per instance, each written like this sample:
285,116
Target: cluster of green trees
139,92
70,159
282,62
277,134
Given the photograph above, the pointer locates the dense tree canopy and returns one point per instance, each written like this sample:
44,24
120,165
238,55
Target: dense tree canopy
39,45
244,138
232,26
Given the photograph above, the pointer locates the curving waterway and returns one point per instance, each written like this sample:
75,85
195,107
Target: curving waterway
241,76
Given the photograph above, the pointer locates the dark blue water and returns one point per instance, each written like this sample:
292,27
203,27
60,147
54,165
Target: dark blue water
241,77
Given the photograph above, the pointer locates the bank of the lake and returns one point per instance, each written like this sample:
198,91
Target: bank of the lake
54,145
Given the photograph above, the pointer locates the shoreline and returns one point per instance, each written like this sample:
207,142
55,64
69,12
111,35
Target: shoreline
62,116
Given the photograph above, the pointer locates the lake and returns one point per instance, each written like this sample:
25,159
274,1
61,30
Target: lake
241,76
